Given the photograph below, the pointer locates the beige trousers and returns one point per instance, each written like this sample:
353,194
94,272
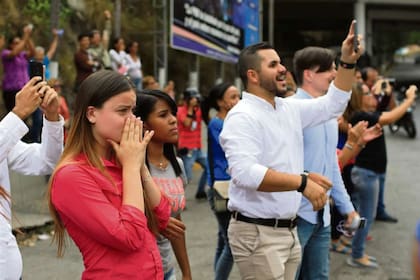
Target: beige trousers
263,252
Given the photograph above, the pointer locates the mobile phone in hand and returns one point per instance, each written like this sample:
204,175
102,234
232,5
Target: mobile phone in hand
355,38
36,69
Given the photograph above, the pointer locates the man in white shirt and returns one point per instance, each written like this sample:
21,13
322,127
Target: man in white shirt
262,139
28,159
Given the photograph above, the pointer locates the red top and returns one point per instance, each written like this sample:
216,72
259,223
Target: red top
113,238
189,137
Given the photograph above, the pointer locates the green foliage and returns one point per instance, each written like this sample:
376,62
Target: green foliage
137,24
39,13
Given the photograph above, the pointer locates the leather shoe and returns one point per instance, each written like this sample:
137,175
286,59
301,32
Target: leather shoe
386,218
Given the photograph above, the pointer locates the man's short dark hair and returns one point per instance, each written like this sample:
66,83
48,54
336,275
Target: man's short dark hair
249,59
365,72
82,35
311,58
93,32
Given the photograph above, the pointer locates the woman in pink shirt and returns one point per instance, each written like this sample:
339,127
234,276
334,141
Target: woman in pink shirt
101,191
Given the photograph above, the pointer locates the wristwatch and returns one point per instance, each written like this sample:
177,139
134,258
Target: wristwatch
304,182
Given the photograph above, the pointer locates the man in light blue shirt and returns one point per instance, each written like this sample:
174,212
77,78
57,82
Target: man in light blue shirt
315,70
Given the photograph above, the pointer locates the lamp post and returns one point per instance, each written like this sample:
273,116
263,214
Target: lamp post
117,19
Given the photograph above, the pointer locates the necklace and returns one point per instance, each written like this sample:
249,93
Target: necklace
161,165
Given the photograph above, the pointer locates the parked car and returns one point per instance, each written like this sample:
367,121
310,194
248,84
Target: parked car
406,67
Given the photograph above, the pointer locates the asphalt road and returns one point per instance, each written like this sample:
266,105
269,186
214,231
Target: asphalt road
391,243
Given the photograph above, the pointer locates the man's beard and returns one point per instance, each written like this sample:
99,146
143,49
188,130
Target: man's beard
271,86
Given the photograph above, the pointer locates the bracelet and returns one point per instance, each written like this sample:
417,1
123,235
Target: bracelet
346,65
348,146
304,182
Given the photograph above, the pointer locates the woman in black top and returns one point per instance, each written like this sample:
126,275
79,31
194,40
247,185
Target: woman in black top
368,173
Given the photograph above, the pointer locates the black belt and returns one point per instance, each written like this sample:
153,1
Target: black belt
276,223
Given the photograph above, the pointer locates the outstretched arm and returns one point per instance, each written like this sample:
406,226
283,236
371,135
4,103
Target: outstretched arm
53,46
107,30
345,75
396,113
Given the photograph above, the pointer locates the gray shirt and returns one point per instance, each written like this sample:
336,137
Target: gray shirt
173,187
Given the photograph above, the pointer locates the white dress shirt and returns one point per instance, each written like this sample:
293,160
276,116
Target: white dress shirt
257,136
28,159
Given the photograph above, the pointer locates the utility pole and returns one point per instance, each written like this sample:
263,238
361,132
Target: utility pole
55,13
117,18
55,21
160,42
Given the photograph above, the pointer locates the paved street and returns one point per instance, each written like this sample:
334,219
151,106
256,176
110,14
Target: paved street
391,243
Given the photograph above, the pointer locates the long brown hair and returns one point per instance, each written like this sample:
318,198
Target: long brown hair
94,91
6,197
355,103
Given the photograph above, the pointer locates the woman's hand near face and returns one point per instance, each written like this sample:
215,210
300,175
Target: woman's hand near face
131,150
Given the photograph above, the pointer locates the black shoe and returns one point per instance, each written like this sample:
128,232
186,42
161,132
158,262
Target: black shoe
386,218
200,195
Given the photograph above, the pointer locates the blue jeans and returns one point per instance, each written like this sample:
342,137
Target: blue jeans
315,243
195,155
138,83
170,275
366,184
380,210
223,260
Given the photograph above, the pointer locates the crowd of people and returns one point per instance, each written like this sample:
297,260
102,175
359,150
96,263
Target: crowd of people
303,152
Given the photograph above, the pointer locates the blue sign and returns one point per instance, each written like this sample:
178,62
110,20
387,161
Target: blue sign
218,29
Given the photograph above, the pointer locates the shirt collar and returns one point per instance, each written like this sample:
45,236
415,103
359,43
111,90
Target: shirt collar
304,94
258,101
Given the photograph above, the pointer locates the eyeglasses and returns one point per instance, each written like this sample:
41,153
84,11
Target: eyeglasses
368,93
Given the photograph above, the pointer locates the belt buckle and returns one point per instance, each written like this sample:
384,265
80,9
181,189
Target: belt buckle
292,223
276,224
235,215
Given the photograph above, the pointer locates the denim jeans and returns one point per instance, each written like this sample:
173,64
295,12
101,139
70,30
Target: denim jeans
380,210
223,260
366,184
138,83
196,155
315,241
170,275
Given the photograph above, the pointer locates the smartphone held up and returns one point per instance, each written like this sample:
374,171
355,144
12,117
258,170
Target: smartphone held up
356,37
36,69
